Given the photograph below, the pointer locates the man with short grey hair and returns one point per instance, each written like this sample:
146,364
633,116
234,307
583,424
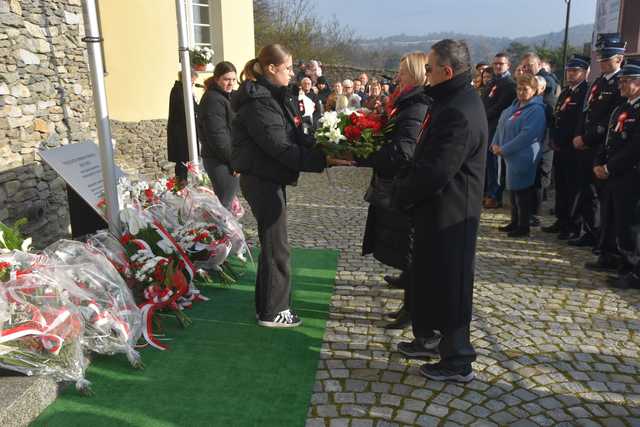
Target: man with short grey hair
442,191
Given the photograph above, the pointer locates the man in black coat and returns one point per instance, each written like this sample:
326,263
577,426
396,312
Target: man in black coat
617,167
177,141
602,97
442,190
498,95
565,160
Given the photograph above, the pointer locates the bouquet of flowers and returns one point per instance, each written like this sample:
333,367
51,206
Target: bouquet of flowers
112,320
201,55
41,331
359,133
105,243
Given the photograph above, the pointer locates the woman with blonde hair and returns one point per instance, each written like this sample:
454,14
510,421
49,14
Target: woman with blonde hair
270,149
387,233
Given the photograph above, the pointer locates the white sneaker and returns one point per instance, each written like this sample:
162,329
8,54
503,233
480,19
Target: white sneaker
284,319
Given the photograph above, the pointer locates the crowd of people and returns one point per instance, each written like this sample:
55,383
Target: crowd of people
572,137
460,137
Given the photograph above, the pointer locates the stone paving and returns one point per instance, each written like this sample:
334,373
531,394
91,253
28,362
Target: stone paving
555,345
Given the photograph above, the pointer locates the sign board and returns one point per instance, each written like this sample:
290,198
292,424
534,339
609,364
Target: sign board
79,165
607,18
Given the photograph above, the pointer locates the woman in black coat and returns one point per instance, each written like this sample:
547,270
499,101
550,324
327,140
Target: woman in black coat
177,141
269,150
388,232
214,120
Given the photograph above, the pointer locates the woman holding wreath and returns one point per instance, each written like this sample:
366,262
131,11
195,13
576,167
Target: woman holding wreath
269,150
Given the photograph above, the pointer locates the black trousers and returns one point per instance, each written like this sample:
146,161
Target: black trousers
269,206
224,183
586,203
181,170
565,169
456,351
521,206
619,197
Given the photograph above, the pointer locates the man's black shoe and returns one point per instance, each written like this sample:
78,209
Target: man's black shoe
507,228
439,372
554,228
402,321
628,281
519,232
603,263
420,348
534,221
394,281
582,242
564,235
596,250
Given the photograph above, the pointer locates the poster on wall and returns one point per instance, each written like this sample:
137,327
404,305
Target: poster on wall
607,17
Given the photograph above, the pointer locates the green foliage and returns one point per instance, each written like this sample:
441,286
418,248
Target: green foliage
10,237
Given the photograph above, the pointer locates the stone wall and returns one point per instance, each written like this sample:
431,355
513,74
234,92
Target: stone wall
46,102
141,148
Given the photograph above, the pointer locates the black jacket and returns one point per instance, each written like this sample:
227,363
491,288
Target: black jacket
177,141
621,152
410,110
566,116
601,98
387,233
443,192
214,123
496,97
267,136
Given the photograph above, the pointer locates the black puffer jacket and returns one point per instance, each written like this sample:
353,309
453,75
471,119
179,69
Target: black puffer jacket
268,140
387,232
214,123
410,110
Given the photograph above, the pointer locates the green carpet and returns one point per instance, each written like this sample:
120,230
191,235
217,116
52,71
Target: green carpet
224,370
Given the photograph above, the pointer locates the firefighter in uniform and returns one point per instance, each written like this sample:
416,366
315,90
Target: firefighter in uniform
617,166
566,115
602,97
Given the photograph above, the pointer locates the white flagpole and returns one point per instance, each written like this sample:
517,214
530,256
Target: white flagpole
96,68
187,90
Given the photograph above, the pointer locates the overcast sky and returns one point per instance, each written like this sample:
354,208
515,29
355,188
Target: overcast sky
501,18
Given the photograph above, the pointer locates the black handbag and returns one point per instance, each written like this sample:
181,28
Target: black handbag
379,192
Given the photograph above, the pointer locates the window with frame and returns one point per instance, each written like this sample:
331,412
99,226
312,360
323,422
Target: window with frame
198,17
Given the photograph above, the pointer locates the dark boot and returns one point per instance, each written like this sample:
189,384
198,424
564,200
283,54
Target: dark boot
556,227
585,240
402,320
604,262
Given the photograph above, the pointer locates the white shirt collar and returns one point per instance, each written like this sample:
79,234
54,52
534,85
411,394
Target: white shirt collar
634,100
608,76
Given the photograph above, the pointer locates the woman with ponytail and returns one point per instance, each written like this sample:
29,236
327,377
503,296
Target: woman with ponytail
269,149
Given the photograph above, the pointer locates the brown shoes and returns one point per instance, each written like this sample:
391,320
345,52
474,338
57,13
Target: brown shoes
490,203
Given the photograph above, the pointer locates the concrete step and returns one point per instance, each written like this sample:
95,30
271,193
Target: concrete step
23,398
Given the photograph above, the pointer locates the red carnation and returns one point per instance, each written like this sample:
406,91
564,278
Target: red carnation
149,193
126,238
352,132
4,265
171,183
